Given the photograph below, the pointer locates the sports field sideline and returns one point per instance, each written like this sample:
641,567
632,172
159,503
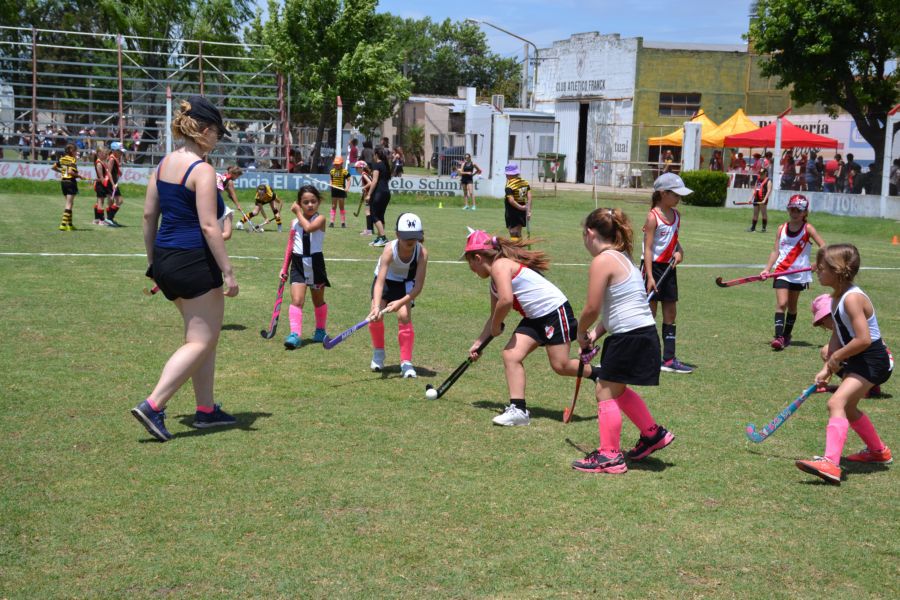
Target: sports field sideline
339,482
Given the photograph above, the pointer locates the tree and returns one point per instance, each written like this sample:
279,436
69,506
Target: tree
835,52
332,48
440,57
414,142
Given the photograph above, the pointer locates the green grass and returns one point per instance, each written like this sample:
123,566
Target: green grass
344,483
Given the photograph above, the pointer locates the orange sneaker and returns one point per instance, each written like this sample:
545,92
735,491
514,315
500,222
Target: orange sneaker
821,467
879,457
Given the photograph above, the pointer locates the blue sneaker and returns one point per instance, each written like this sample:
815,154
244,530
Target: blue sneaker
319,336
152,420
292,342
676,366
216,418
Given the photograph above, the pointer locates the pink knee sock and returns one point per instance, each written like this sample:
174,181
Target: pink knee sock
296,317
637,412
331,213
406,337
866,431
321,316
376,330
206,409
609,422
835,436
343,216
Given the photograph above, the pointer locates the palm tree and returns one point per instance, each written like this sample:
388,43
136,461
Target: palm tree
415,143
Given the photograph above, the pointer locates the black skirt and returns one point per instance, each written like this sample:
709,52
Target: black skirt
631,357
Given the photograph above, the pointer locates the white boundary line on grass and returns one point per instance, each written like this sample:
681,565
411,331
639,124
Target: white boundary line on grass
439,262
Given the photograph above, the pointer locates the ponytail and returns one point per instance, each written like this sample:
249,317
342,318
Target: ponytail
612,225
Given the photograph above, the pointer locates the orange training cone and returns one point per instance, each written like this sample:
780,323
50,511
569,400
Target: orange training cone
896,240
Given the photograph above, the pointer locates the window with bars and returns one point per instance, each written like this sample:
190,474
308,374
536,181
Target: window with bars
673,104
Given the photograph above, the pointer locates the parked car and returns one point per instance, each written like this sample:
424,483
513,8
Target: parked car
447,159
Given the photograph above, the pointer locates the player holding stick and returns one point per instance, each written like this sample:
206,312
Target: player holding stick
265,195
791,252
340,185
630,354
115,173
856,351
548,320
67,166
102,184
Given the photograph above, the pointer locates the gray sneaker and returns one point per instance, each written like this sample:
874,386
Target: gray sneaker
377,364
407,370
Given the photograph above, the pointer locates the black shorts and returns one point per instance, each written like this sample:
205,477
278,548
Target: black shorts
514,217
464,179
666,291
310,272
557,327
185,273
394,290
784,284
378,204
102,190
632,357
338,194
69,187
874,364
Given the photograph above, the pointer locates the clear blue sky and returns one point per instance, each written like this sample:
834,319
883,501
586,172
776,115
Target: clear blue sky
544,21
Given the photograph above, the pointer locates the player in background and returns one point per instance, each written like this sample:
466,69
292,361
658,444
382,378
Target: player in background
467,171
115,201
67,167
265,195
518,202
102,185
340,185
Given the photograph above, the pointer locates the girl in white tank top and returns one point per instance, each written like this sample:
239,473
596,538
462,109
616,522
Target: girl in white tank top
856,351
630,352
548,321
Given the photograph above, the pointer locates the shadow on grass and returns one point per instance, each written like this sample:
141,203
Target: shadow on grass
245,422
393,372
802,344
233,327
536,412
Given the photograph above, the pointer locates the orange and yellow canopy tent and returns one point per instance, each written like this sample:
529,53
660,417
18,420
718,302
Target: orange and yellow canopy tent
734,125
677,137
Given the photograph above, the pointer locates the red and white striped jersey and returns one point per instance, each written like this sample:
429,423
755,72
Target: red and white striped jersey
533,295
793,253
665,238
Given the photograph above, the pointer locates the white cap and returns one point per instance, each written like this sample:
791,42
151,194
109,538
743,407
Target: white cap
115,146
672,183
409,227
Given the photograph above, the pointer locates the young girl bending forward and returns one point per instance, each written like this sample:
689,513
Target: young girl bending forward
856,352
399,279
630,353
517,283
307,265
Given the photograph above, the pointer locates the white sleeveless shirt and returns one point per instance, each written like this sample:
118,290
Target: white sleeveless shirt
399,270
842,324
625,305
793,253
307,243
665,238
533,295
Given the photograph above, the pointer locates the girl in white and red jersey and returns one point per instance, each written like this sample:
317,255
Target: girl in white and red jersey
548,320
399,279
792,250
857,353
630,352
662,248
307,265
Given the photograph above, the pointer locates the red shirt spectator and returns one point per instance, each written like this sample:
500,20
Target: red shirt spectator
831,171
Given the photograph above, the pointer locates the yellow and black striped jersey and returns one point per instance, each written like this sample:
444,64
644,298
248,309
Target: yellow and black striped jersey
339,177
264,194
518,189
67,166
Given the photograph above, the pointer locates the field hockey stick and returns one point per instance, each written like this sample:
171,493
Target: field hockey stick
150,292
753,278
282,279
652,295
451,379
246,219
362,197
774,424
308,178
583,359
331,342
736,203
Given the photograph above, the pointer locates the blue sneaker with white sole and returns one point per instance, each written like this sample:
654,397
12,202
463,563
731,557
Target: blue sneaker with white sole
675,366
217,418
319,336
152,420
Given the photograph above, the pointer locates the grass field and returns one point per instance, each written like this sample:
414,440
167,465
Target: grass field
340,483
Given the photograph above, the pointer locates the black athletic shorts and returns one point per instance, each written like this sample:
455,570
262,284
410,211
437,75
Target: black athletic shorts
102,190
874,364
464,179
378,204
514,217
69,187
667,290
784,284
309,270
394,290
338,194
557,327
185,273
632,357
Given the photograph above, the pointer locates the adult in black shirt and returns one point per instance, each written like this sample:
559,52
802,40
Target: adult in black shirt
381,194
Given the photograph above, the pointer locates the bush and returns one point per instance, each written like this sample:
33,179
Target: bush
710,188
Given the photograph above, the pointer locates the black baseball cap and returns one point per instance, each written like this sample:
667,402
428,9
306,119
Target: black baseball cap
204,110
